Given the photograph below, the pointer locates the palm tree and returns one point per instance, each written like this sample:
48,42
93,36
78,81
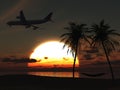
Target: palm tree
72,39
105,37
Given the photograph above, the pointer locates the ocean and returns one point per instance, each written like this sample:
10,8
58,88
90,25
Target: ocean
43,73
54,74
63,74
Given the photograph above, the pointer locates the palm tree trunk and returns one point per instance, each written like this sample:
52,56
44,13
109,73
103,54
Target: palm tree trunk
74,61
107,57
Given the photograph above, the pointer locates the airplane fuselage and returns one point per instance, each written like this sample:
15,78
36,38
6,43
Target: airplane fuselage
28,22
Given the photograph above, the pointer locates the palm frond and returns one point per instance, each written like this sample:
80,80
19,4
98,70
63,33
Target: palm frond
114,33
103,33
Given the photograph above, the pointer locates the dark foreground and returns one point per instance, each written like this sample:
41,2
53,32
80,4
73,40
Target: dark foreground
30,82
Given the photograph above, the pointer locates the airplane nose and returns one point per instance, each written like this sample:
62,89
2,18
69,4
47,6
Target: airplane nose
8,23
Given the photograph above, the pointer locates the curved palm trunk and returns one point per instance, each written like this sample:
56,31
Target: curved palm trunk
110,66
74,61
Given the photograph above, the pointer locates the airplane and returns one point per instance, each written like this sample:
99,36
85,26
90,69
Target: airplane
29,23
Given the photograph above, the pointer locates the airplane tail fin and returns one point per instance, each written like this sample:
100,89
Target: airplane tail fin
21,12
21,16
48,17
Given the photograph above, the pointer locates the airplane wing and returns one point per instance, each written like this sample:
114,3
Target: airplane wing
34,27
49,16
21,17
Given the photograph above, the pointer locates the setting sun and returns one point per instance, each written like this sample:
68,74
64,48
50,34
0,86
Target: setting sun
52,53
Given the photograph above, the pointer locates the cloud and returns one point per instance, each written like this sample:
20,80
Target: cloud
22,60
88,57
89,54
113,62
92,51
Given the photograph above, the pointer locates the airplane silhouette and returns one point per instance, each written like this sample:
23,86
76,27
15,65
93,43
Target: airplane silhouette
29,23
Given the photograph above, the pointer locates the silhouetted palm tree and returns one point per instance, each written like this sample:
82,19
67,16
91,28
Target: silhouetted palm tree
72,39
105,37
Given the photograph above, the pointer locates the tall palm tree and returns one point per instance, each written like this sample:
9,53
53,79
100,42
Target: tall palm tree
72,39
105,37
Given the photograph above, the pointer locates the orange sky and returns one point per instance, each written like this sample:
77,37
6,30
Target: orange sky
54,63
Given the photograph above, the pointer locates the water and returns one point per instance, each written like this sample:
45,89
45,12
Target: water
54,74
51,74
63,74
70,74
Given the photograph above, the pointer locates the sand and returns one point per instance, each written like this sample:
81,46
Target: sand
32,82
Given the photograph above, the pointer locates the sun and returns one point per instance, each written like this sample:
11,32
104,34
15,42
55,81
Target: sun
51,49
52,53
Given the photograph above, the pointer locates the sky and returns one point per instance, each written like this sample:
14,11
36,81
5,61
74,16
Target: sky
20,42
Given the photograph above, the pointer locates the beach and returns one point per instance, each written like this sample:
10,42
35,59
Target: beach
32,82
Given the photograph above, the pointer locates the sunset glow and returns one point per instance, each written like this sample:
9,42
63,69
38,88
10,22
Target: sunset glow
52,53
